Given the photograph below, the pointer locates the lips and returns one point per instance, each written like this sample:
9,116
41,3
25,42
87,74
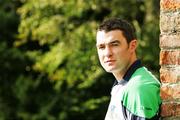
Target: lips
109,61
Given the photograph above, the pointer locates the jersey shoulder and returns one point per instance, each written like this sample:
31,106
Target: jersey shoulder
142,94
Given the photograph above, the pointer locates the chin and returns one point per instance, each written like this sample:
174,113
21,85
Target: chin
110,70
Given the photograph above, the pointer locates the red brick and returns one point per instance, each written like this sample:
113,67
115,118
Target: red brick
170,92
170,74
170,41
169,22
170,4
170,57
170,109
171,118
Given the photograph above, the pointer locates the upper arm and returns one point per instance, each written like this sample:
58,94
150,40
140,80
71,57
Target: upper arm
141,101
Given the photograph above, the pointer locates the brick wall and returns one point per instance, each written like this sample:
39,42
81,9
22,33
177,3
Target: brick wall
170,58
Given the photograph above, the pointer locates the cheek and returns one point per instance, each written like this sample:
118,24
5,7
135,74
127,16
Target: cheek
118,52
100,55
122,53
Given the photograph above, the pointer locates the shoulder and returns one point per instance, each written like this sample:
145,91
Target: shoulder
143,77
141,95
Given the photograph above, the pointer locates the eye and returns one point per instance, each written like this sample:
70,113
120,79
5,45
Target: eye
116,43
101,47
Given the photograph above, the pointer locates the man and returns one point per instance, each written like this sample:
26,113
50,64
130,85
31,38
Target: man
135,93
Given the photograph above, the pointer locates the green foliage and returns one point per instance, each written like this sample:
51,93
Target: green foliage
50,69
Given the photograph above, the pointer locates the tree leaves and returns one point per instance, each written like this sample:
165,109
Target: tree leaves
52,72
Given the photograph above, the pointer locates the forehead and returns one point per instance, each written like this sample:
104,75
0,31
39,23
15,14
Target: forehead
106,37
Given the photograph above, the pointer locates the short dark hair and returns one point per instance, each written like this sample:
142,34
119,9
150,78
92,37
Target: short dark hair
119,24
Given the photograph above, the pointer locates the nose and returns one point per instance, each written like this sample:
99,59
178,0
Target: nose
108,52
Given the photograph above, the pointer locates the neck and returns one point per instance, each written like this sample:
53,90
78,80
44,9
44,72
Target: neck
120,74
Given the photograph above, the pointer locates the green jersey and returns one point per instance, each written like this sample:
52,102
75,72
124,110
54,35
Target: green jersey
136,97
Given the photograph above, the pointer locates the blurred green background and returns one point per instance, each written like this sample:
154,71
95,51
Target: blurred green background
49,66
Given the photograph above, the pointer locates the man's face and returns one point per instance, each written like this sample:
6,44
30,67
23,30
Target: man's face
113,51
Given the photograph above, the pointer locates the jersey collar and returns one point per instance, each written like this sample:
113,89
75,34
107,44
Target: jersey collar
129,73
132,69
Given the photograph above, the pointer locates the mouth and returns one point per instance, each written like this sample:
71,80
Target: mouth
110,61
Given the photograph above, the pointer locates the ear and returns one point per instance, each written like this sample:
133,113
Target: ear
133,45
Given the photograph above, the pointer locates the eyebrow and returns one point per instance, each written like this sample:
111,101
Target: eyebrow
114,41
